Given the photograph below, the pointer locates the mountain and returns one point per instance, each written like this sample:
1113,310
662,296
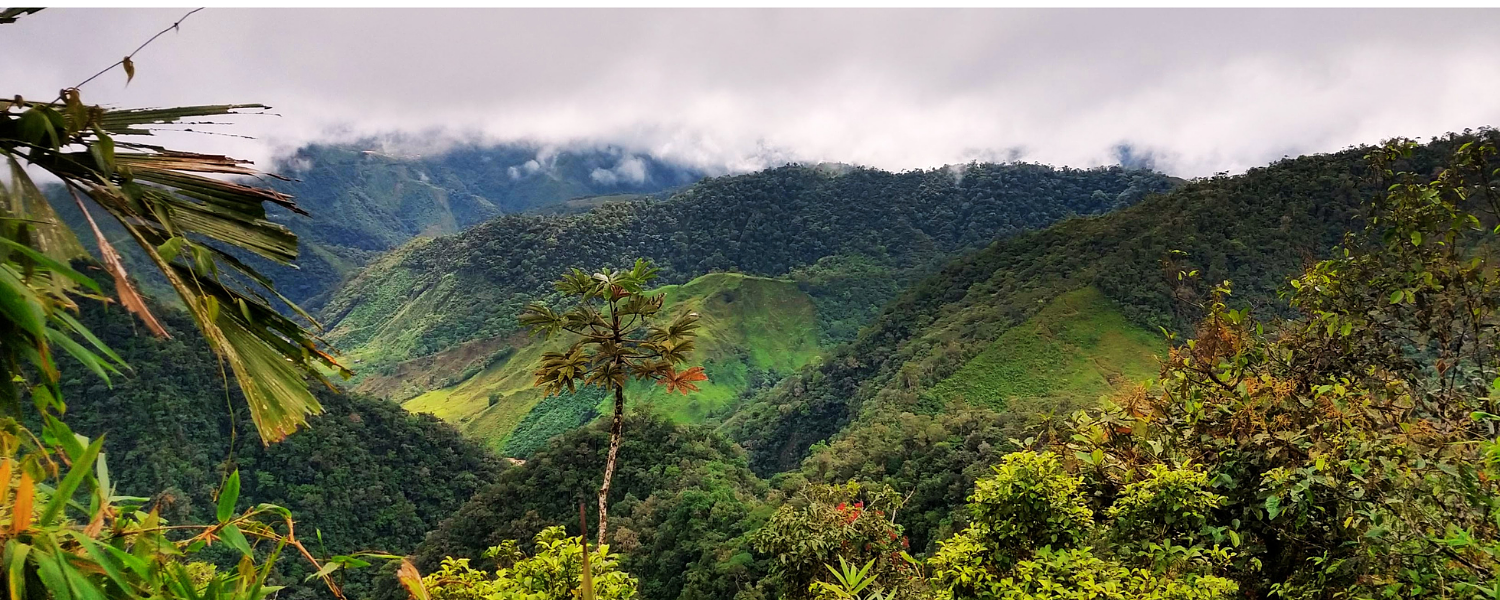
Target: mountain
984,329
439,310
364,200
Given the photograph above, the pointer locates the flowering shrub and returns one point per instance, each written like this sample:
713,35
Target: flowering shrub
823,524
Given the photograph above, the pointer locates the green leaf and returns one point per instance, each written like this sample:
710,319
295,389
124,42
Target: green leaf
229,496
1396,296
328,568
81,467
232,536
1416,238
170,248
1273,506
15,566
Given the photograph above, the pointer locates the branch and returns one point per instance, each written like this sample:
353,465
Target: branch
172,27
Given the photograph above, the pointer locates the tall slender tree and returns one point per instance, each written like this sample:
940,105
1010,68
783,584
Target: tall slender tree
615,340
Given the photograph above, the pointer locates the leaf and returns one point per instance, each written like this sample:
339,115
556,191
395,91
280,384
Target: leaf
232,535
228,496
1273,506
129,298
1416,238
682,382
15,567
412,580
82,465
20,511
129,69
328,569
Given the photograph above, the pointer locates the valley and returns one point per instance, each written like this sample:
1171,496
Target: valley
749,304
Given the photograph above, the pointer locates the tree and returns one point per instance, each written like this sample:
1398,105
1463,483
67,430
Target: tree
852,523
1354,446
557,570
615,341
66,533
1032,525
181,216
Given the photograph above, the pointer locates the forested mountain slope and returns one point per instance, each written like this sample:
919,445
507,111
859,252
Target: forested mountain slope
848,235
1254,229
752,332
687,502
363,200
366,475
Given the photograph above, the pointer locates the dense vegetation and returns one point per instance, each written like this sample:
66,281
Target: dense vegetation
433,295
365,200
362,201
684,503
365,475
751,332
1343,447
1255,229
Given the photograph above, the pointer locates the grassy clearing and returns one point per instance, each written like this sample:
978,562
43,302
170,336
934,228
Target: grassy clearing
1076,349
754,330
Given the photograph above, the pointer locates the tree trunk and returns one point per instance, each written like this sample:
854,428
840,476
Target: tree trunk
609,463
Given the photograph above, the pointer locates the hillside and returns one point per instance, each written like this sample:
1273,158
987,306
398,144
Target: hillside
1075,350
753,332
365,200
944,338
365,474
851,238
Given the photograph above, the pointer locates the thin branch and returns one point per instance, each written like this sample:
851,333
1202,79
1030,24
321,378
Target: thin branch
172,27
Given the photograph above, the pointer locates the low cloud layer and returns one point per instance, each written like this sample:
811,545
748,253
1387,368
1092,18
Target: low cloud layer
1190,92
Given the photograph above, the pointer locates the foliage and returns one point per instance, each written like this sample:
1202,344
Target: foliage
933,459
849,583
1030,502
67,535
1352,446
364,475
613,346
435,294
553,416
552,572
824,522
172,206
1258,229
1031,524
688,505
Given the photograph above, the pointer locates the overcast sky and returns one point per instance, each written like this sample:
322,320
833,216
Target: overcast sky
1199,91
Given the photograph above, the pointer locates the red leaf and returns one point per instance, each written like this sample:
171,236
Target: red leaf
682,382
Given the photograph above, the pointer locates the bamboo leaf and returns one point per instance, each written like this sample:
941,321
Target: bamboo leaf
228,496
20,511
15,568
232,535
82,464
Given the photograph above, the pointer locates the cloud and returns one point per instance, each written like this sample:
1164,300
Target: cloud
1193,92
630,169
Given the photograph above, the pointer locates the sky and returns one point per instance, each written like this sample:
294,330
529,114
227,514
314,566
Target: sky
1188,92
